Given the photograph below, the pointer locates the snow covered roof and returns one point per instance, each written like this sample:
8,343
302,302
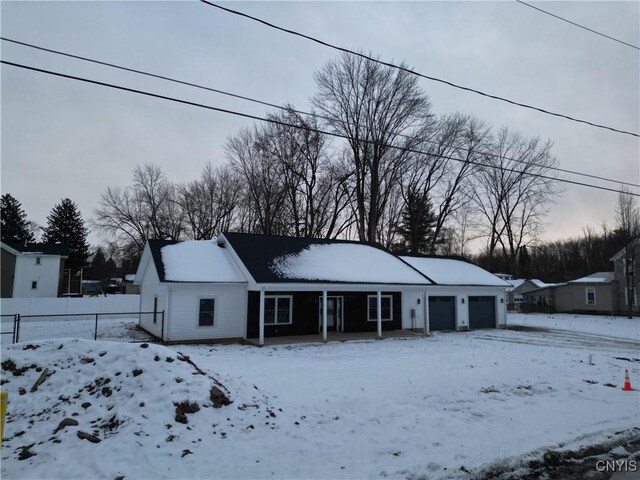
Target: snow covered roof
346,262
450,271
598,277
540,283
195,261
37,248
515,283
278,259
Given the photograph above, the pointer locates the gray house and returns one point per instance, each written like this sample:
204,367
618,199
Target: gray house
624,276
595,293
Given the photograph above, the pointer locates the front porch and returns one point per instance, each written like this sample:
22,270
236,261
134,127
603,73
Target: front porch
333,336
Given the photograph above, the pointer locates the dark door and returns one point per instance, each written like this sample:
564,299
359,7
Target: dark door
442,313
482,312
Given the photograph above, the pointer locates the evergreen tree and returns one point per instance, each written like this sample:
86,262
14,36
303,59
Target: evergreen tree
14,225
98,263
417,222
65,226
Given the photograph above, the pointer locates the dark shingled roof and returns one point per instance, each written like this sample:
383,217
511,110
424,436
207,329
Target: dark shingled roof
45,249
155,246
257,253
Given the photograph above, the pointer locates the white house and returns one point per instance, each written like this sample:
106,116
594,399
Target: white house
32,270
254,286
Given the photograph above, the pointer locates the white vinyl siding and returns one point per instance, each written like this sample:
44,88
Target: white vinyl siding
153,294
230,312
386,302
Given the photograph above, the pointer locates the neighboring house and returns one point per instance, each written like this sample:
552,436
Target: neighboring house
32,270
514,299
622,279
255,286
595,293
541,299
129,287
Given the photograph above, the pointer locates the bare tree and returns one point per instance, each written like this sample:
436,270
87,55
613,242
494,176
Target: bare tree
442,174
513,192
628,220
210,203
264,192
375,108
314,184
144,210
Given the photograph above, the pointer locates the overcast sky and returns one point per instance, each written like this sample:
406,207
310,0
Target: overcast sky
61,138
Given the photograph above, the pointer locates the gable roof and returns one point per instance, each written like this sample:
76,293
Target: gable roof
41,248
454,271
620,253
279,259
154,247
515,283
194,261
598,277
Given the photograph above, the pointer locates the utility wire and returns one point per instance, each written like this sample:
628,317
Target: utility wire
299,127
273,105
578,25
413,72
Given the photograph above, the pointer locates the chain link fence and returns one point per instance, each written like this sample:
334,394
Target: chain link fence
122,327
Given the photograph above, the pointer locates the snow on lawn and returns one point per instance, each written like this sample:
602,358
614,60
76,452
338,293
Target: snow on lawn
112,329
621,327
413,408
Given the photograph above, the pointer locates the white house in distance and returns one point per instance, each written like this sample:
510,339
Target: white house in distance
32,270
244,286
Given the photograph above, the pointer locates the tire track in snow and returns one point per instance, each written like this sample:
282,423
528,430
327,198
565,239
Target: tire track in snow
562,339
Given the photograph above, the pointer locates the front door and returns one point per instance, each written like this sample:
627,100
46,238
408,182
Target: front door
334,313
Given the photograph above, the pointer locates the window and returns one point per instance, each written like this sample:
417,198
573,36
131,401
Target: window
626,296
34,285
37,260
591,295
278,310
386,302
207,308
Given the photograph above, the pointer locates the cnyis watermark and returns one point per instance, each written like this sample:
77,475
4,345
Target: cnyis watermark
617,466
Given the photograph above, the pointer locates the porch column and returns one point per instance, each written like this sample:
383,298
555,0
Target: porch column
261,320
379,299
426,328
324,315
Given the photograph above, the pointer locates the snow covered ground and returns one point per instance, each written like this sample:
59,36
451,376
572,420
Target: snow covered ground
412,408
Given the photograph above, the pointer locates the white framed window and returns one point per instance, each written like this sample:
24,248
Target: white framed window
37,260
626,296
34,285
278,309
386,302
206,312
591,295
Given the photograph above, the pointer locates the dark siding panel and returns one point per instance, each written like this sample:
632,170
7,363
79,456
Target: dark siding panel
306,314
482,312
442,313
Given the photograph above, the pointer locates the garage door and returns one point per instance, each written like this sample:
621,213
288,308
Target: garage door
482,312
442,313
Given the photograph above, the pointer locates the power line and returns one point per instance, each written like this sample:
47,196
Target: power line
578,25
273,105
413,72
299,127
